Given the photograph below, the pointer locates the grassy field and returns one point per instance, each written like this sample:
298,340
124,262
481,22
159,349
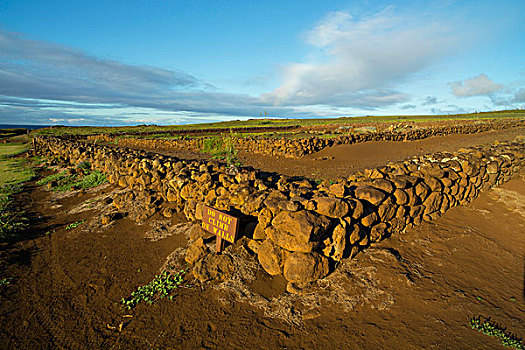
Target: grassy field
13,172
57,130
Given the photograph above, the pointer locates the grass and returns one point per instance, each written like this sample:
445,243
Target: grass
74,225
161,286
492,329
84,178
13,172
258,122
222,147
12,149
5,281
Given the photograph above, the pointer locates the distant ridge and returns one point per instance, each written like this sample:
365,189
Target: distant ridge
19,126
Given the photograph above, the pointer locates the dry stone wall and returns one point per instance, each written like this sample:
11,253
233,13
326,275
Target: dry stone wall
298,147
302,227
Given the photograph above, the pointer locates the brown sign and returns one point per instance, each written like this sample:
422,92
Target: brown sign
223,225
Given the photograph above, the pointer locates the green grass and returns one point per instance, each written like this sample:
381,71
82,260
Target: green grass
74,225
5,281
257,122
84,178
12,149
161,286
492,329
13,172
222,147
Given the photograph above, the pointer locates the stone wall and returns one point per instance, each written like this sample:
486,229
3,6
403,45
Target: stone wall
302,227
297,147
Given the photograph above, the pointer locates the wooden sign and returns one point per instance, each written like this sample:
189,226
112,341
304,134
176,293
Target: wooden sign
221,224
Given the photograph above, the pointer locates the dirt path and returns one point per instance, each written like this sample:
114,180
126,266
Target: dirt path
416,290
340,161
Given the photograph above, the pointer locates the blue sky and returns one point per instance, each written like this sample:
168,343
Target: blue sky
170,62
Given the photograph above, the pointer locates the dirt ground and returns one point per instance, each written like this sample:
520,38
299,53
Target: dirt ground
416,290
340,161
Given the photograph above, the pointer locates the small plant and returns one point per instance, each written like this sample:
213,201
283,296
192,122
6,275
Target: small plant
223,147
74,225
160,287
492,329
5,281
83,178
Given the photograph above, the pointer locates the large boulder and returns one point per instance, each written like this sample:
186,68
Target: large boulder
298,231
271,257
370,194
332,207
433,202
337,243
304,268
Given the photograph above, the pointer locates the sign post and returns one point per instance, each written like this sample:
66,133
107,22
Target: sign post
223,225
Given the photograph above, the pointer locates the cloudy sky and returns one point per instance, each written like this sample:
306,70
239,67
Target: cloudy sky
169,62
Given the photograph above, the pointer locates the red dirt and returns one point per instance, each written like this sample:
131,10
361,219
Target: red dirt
412,291
340,161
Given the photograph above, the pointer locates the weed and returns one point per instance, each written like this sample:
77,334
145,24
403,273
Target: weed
223,147
492,329
5,281
54,177
84,178
161,286
74,225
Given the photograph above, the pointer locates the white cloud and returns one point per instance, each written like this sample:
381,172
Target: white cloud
519,96
354,55
480,85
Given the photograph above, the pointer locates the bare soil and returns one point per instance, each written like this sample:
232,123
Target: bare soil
416,290
340,161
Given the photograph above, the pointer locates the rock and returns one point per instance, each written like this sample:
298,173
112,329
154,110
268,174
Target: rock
213,267
357,234
196,231
289,205
356,207
304,268
167,212
271,257
337,189
298,231
422,190
298,288
378,232
199,211
433,203
196,251
265,216
106,219
370,219
254,245
434,184
400,196
337,244
386,211
383,184
332,207
172,195
369,194
259,232
492,167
